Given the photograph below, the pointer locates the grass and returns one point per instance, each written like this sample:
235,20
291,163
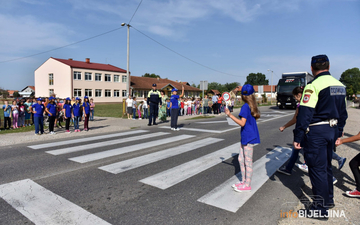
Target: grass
109,110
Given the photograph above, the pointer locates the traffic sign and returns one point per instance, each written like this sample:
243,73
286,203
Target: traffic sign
226,96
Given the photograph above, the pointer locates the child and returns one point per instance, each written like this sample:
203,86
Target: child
249,135
145,109
139,110
129,106
174,104
51,109
86,111
134,108
76,114
67,114
7,115
15,113
21,121
27,112
354,166
92,109
37,110
168,111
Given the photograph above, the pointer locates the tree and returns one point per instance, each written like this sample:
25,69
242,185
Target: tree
153,75
16,94
351,79
4,93
256,79
230,86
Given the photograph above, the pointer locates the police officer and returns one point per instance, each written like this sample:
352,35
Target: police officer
153,100
320,122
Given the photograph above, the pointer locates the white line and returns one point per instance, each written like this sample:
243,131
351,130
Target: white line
209,122
104,143
133,148
205,130
182,172
43,207
54,144
275,118
225,197
133,163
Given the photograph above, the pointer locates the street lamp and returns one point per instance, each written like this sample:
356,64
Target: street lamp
128,59
271,84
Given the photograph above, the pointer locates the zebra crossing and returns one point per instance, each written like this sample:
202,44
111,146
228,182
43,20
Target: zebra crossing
126,142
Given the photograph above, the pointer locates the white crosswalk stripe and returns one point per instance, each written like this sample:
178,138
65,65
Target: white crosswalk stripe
104,143
123,150
133,163
80,140
182,172
43,207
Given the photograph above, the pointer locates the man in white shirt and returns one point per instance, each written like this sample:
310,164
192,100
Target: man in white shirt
129,107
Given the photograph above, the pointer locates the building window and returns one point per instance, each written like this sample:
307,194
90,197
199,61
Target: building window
77,75
97,76
77,92
51,91
88,76
123,77
116,93
97,92
107,93
107,77
116,78
51,79
146,94
124,93
88,92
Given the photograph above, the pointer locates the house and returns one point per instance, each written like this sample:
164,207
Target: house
11,93
142,85
27,91
71,78
213,92
259,91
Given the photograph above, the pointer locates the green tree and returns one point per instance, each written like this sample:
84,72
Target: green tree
16,94
214,86
153,75
230,86
256,79
351,79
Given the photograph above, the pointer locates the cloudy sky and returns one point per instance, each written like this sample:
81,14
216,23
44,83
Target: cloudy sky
214,40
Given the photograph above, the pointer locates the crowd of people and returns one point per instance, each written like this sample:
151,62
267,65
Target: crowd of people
54,111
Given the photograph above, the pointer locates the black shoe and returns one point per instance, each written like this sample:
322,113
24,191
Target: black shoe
155,124
149,124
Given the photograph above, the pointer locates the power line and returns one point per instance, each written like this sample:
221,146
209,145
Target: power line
74,43
185,56
135,12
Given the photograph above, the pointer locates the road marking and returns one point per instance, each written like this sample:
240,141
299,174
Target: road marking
133,163
275,118
226,198
184,171
43,207
209,122
60,143
132,148
104,143
205,130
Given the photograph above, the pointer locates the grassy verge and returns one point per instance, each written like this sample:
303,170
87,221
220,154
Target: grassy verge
109,110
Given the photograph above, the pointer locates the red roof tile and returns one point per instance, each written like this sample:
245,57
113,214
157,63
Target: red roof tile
145,83
90,65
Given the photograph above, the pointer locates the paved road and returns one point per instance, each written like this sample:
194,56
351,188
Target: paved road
149,176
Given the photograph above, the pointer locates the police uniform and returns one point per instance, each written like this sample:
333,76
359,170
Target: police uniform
153,100
321,119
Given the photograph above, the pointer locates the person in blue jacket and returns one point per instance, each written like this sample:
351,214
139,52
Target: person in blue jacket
51,110
67,114
37,110
76,114
86,110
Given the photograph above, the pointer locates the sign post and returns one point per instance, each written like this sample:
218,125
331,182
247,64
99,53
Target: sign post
203,86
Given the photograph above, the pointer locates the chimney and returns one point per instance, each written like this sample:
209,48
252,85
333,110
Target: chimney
87,60
70,59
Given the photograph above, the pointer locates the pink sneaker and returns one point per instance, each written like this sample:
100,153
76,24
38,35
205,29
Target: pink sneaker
242,188
79,130
237,184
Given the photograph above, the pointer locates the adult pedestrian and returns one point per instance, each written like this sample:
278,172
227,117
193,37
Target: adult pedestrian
51,109
153,100
37,109
320,122
215,105
206,104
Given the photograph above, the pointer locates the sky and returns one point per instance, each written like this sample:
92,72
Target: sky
214,40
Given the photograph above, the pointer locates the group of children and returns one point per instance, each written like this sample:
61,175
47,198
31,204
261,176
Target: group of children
54,110
133,108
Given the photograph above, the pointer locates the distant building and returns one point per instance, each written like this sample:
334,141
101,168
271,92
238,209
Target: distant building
213,92
11,93
142,85
27,91
260,90
70,78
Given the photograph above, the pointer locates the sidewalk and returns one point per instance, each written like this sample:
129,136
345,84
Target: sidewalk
345,182
99,126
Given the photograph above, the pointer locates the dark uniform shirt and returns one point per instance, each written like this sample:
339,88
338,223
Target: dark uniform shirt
154,97
324,98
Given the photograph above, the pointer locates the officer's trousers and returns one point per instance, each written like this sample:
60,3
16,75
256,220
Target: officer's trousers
154,108
318,148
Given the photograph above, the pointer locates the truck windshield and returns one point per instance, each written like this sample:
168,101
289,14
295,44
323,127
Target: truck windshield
288,85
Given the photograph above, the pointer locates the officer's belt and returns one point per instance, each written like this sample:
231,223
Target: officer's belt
331,122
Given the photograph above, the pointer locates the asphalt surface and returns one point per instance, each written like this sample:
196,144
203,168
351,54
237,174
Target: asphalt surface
122,199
